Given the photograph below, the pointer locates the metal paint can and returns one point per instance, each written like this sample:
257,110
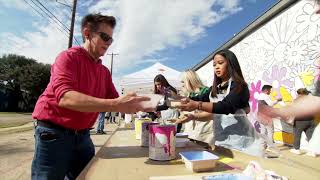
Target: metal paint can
137,126
162,142
144,140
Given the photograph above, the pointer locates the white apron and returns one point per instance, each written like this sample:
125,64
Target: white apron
200,131
234,131
170,113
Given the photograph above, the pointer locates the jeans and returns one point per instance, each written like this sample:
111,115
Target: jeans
60,154
267,133
101,119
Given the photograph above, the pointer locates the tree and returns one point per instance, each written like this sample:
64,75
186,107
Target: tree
23,80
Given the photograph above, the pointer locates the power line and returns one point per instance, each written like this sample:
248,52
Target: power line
70,31
77,41
44,17
66,30
52,14
52,6
59,23
65,4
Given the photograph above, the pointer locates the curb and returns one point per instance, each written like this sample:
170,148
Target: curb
26,127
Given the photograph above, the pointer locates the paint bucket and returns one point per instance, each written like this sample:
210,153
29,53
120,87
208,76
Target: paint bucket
137,126
162,142
144,142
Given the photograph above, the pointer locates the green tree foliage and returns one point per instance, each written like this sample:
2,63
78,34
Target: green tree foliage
22,80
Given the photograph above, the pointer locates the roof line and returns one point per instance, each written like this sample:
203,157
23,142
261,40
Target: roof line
271,13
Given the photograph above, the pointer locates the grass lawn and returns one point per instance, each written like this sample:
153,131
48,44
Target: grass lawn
8,113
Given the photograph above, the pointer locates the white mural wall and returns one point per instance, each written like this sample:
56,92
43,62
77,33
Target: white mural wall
284,53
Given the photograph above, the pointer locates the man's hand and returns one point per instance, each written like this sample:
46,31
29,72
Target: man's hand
131,103
266,113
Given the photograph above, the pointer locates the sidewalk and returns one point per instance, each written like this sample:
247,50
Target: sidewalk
17,151
25,127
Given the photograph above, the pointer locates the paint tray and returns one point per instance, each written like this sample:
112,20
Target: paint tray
182,135
199,161
228,177
182,142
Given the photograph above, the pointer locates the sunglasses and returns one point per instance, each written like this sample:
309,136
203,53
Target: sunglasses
105,37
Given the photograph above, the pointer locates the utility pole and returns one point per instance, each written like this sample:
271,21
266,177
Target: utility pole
72,23
112,54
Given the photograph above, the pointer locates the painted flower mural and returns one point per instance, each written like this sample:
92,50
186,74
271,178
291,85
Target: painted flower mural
309,20
295,53
255,90
277,78
314,48
278,35
303,75
317,68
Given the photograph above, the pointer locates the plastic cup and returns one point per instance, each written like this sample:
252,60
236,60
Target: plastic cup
174,103
154,100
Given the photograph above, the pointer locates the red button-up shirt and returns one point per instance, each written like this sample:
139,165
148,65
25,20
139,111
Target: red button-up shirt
74,70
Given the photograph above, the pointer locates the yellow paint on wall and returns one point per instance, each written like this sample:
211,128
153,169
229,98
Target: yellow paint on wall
284,137
273,95
307,77
286,95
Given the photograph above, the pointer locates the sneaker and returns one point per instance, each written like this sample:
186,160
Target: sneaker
101,132
312,154
295,151
272,152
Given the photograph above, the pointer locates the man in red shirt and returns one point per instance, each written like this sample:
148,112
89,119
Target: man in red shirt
80,87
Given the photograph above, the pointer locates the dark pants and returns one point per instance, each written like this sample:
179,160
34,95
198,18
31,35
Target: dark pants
112,119
298,128
179,127
60,153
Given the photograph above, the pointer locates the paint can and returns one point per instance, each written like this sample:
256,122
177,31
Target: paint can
162,142
144,142
137,126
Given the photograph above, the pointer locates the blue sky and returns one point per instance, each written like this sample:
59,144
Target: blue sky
179,35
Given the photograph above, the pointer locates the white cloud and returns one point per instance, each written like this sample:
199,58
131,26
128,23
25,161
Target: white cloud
44,43
229,6
17,4
147,27
86,3
152,60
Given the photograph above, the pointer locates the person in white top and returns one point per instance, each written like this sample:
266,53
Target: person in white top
265,96
267,126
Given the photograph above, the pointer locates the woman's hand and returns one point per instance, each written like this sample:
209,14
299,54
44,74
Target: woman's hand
186,118
188,105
